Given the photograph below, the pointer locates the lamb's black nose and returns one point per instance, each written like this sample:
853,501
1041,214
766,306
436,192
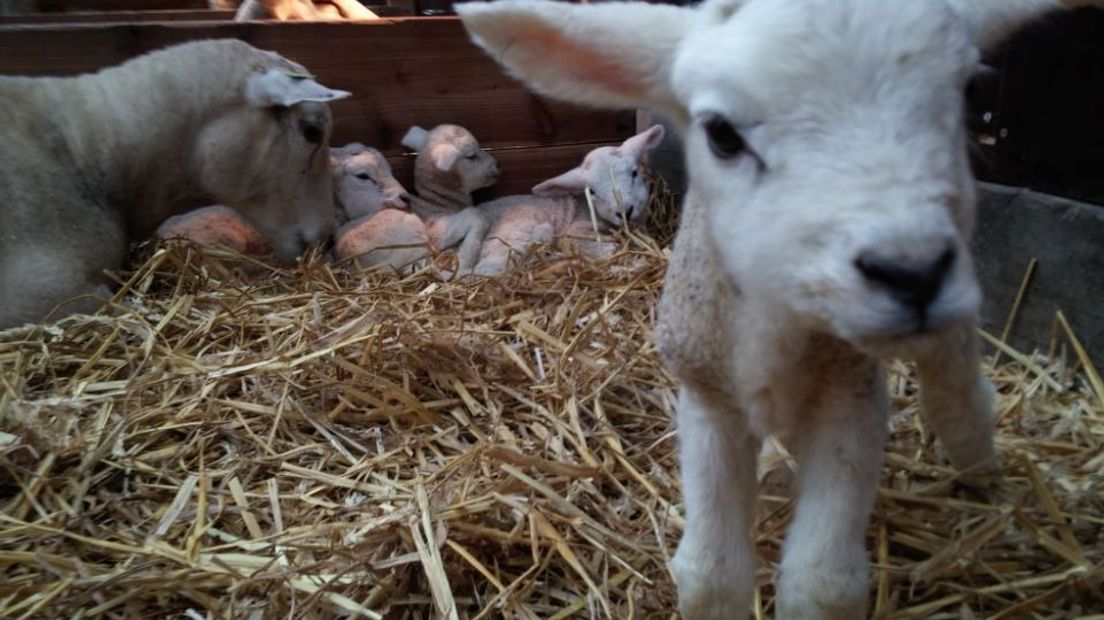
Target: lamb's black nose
913,283
629,212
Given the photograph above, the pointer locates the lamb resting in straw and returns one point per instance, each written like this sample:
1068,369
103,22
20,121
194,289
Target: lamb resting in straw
92,162
825,228
559,208
449,166
363,186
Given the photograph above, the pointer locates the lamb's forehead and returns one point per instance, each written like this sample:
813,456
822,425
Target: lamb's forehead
607,156
759,54
368,159
456,136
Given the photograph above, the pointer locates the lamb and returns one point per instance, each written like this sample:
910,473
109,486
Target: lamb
95,161
301,10
363,186
558,207
364,183
449,166
825,228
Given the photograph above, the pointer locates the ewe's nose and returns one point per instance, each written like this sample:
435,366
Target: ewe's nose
914,283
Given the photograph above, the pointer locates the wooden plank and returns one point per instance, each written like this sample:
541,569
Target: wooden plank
402,72
118,5
522,168
118,17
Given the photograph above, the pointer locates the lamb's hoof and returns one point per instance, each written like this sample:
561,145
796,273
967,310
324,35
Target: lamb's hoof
985,475
812,594
707,593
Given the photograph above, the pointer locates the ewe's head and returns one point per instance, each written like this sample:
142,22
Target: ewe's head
363,182
268,157
451,154
614,177
824,138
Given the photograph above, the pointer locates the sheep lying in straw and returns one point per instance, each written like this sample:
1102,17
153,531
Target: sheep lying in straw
559,208
95,161
449,166
300,10
363,186
825,228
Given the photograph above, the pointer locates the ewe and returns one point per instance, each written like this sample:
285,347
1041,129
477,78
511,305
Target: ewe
825,228
559,208
91,162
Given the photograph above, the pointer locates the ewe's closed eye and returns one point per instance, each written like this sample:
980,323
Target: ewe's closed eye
724,141
363,176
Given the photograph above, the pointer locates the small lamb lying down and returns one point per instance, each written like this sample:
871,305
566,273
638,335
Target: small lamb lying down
450,166
363,186
558,207
285,10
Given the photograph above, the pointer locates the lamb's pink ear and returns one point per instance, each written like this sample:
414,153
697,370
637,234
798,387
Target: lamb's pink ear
612,55
993,20
444,156
571,182
642,142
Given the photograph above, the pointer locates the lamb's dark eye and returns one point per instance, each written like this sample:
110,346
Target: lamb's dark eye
363,176
724,140
635,173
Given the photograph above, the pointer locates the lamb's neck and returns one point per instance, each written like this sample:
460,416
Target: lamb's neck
582,212
437,199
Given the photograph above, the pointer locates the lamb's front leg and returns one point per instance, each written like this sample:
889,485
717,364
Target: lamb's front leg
956,400
468,228
839,454
715,562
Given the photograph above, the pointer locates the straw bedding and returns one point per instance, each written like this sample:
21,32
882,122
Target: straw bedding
317,442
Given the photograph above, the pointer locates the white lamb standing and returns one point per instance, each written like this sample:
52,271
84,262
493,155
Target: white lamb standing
450,165
558,207
363,186
92,162
825,228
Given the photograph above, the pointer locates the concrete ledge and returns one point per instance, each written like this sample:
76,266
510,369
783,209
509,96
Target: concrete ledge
1066,237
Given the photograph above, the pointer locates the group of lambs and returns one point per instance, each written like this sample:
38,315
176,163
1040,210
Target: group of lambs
384,225
87,167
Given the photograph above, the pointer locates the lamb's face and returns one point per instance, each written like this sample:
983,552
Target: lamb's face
617,185
272,165
363,182
455,149
830,156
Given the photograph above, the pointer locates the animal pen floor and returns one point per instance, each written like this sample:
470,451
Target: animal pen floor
312,442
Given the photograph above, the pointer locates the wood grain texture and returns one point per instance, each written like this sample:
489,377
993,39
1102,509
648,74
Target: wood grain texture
402,72
117,17
119,5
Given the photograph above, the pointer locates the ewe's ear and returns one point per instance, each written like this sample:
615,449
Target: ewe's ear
993,20
444,156
610,55
646,140
571,182
415,138
276,87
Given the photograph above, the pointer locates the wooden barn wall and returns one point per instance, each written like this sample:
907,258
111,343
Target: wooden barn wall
401,72
1041,112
